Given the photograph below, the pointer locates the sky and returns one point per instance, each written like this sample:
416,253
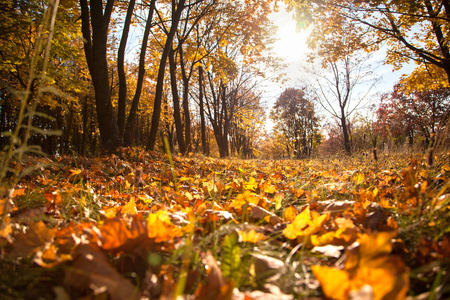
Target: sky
291,46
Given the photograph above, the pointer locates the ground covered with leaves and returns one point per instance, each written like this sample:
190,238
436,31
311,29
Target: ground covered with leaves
139,225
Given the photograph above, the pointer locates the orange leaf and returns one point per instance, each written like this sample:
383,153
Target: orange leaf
37,235
335,283
290,213
129,208
116,235
385,284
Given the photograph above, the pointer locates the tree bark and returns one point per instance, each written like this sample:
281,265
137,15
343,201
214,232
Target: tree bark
129,133
176,102
95,51
121,68
187,117
176,16
347,144
224,151
202,110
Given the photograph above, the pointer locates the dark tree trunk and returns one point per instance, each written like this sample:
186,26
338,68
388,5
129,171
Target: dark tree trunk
187,117
176,16
95,50
122,101
225,151
176,102
202,110
129,127
347,144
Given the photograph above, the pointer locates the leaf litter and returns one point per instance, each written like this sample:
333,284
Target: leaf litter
129,226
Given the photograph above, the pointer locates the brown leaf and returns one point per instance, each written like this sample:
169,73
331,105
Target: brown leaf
91,270
215,287
34,239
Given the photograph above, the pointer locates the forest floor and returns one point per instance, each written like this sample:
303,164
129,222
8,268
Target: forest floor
137,225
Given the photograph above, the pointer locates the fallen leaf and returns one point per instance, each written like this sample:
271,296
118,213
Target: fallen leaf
161,228
289,214
91,270
37,235
215,286
305,224
251,236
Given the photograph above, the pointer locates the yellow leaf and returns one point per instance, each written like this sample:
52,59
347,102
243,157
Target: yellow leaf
251,236
359,178
335,283
385,284
305,224
243,199
290,213
129,208
161,228
251,184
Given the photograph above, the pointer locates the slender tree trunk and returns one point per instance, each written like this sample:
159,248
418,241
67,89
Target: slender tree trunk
121,68
187,117
202,110
176,102
225,149
347,144
95,50
160,82
129,127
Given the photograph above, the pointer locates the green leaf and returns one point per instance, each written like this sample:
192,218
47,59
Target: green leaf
231,259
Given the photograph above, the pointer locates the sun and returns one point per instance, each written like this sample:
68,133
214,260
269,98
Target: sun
291,43
291,47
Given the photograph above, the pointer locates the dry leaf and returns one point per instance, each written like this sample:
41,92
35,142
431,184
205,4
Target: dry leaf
215,287
91,270
37,235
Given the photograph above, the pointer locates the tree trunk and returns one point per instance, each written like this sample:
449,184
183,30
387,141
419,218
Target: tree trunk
160,81
202,110
347,144
95,50
129,132
187,117
176,102
225,150
122,101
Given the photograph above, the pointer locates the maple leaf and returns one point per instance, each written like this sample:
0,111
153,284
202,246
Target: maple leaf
305,224
251,184
129,208
337,284
117,236
369,262
242,200
161,228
